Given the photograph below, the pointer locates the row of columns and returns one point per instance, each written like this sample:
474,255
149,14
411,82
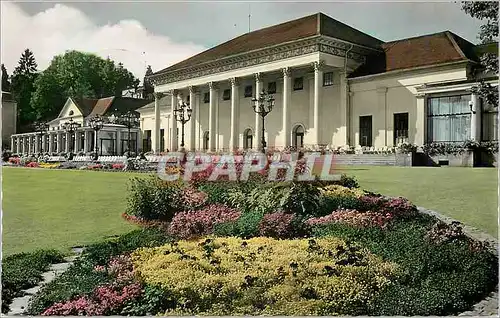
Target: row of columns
52,142
213,122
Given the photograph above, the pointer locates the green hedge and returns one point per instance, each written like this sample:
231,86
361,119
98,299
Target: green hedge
23,271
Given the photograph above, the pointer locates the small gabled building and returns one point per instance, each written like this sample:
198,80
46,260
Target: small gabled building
112,139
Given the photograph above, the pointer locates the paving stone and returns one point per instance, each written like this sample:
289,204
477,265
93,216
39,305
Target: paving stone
33,290
19,305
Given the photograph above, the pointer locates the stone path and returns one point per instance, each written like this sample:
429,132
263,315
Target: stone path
20,304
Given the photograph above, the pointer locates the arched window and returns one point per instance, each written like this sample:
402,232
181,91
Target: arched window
298,136
71,113
247,139
206,137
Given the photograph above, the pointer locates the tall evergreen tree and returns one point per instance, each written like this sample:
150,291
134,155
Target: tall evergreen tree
5,80
148,89
23,79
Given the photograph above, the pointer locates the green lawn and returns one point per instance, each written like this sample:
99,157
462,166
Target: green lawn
469,195
63,208
60,208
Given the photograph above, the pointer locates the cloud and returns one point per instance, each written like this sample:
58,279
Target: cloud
60,28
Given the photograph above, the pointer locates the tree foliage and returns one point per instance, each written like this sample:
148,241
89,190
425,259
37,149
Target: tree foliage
22,83
78,75
486,11
148,86
5,80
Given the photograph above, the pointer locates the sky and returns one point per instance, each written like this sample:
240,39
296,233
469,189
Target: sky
163,33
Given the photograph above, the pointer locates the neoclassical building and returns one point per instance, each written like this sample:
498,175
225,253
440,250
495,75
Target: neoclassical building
333,86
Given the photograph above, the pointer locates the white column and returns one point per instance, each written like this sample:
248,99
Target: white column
287,91
12,143
198,136
85,142
318,76
192,122
18,146
68,140
235,116
258,120
119,143
58,142
155,136
76,144
174,102
344,110
211,116
421,121
382,105
475,120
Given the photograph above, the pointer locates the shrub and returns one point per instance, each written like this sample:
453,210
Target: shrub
263,276
118,166
217,191
338,190
246,226
442,232
23,271
153,199
32,164
192,224
277,225
354,218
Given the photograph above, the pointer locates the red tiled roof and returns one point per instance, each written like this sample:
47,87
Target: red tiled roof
426,50
101,106
313,25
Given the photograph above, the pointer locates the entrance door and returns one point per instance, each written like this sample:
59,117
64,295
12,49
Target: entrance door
365,131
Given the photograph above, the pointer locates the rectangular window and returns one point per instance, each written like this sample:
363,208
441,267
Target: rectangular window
271,87
146,142
226,95
448,118
188,99
162,140
206,98
365,131
248,91
328,79
400,128
490,125
298,83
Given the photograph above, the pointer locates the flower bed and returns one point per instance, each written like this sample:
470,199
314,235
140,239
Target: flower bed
273,248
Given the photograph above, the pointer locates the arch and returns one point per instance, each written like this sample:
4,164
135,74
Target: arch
206,137
248,139
298,132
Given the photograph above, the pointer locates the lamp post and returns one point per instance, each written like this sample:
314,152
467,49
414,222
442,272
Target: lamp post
183,114
70,127
96,123
130,120
263,105
42,128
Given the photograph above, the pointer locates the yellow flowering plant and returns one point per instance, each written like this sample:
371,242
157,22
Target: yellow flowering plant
337,190
264,276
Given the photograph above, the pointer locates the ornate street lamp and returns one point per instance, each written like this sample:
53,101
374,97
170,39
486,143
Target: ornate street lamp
42,128
263,105
130,120
183,114
96,122
70,127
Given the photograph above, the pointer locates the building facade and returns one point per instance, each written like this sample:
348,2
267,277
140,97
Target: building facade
111,139
333,86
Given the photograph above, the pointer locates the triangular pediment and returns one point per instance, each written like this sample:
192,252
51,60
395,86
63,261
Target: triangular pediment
70,109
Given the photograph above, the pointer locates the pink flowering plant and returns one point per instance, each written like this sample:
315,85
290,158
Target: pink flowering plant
353,218
193,224
108,299
277,225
